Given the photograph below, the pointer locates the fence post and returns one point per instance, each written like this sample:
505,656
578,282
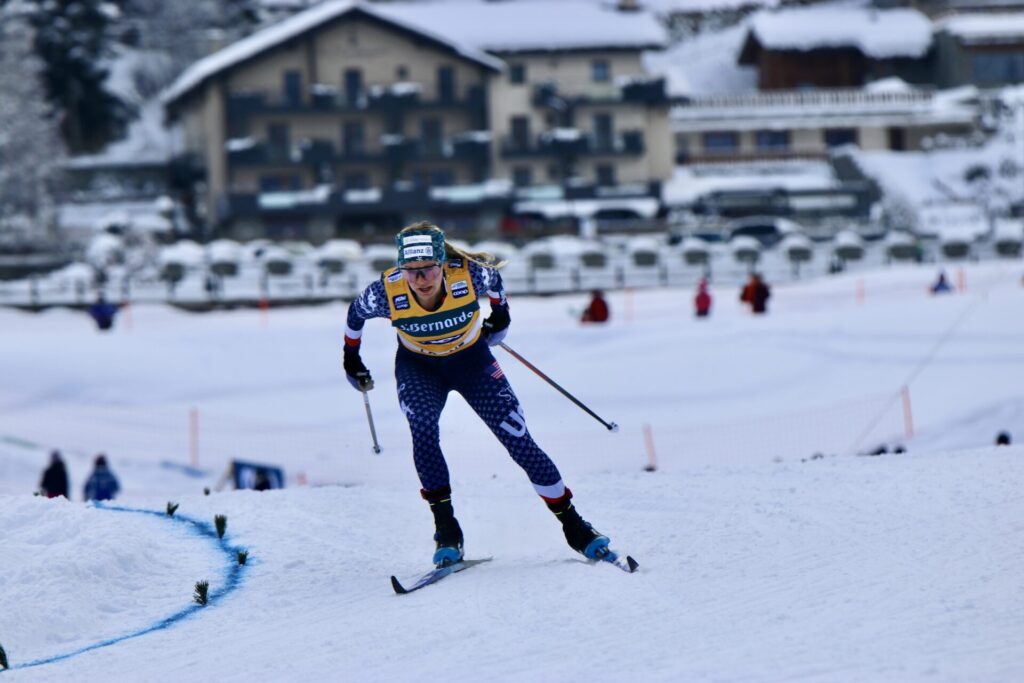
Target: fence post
193,437
652,458
908,416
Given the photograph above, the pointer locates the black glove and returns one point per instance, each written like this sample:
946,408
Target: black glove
496,325
357,374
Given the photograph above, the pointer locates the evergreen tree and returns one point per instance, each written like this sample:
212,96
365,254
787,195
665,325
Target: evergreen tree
72,40
30,145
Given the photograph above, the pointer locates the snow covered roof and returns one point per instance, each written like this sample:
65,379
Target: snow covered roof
532,25
984,28
690,183
298,24
705,64
644,207
880,34
700,6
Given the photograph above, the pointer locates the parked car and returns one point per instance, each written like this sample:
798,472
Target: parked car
768,230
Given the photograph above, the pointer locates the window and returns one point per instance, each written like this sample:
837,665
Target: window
277,140
445,83
600,71
293,87
522,176
357,181
834,137
520,132
431,138
442,177
605,175
772,139
604,134
401,72
353,138
353,79
998,67
897,139
554,173
517,73
721,141
280,183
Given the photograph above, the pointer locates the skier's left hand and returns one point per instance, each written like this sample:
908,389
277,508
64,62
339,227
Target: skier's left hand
496,325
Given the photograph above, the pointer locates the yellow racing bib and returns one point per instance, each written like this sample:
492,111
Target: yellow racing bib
455,325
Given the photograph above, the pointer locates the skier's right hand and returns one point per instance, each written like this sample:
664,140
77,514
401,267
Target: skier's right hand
356,373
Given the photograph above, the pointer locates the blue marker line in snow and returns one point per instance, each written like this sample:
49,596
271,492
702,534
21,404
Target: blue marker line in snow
232,580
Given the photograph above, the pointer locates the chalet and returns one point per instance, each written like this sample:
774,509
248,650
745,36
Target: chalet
352,117
981,48
837,47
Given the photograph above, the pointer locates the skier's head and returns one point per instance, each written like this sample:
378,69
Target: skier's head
421,241
101,460
421,256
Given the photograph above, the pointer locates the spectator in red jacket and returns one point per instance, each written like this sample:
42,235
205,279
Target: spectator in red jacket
756,294
702,302
597,309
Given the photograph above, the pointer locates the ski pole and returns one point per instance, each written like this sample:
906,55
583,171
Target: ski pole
610,426
369,419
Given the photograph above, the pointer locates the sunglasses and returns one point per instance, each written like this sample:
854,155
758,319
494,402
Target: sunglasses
426,272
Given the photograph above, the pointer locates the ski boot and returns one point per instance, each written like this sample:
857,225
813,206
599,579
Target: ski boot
448,533
581,536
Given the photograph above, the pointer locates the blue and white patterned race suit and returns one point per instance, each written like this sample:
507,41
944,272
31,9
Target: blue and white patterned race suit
423,386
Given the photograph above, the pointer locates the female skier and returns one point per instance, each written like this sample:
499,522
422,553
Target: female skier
431,299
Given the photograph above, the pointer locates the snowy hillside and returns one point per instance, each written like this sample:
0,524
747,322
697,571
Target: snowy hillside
768,550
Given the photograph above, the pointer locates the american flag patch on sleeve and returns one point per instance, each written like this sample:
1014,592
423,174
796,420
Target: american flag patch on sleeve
496,372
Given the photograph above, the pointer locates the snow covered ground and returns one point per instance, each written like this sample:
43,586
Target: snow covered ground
758,560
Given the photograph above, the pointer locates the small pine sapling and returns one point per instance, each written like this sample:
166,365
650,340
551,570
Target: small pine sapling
171,508
243,556
3,658
202,588
206,490
221,522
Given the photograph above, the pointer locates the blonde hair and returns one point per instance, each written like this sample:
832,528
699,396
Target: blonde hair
481,258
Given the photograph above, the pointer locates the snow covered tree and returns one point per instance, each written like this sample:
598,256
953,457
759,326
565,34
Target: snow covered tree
186,30
72,38
30,145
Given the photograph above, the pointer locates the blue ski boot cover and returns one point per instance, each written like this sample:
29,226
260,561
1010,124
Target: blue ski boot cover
448,533
580,535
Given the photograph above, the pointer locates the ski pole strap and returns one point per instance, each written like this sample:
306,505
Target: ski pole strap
610,426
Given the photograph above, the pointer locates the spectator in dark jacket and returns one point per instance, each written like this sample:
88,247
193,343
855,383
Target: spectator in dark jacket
103,313
756,294
102,484
55,478
702,302
597,309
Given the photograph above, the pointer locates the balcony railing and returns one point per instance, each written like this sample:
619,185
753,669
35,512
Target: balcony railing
321,98
804,103
563,98
473,147
562,143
